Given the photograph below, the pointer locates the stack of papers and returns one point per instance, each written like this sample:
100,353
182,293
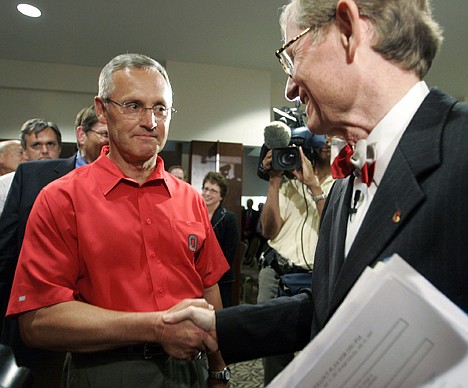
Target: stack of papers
394,329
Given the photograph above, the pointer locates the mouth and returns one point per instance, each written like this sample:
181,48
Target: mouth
303,98
146,136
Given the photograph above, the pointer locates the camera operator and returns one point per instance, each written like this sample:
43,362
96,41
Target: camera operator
290,220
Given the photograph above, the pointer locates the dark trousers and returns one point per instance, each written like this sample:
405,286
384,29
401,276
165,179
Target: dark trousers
120,370
270,286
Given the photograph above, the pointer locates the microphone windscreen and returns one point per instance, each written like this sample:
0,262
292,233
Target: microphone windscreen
277,135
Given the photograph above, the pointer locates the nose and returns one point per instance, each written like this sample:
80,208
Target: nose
291,91
148,120
44,149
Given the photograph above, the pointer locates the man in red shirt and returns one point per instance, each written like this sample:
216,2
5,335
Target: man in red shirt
112,245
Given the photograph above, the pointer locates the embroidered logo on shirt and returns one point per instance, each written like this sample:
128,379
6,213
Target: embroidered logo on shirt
22,298
193,242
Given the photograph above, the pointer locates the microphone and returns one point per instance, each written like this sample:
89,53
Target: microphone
357,197
277,135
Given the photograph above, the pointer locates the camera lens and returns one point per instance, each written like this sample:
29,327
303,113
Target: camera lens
284,159
287,158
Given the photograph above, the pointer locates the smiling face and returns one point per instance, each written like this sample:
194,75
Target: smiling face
133,140
211,193
313,80
328,76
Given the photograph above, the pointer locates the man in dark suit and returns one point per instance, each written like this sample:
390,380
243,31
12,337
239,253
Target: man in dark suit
359,75
249,221
30,178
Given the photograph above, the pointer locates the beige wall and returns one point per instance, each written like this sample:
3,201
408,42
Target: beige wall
214,102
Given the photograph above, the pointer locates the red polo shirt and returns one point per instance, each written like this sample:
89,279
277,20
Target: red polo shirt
99,237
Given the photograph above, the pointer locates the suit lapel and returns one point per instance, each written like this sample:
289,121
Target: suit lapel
399,193
65,166
337,246
330,247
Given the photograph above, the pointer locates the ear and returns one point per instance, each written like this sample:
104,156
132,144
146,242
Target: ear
100,108
80,135
348,18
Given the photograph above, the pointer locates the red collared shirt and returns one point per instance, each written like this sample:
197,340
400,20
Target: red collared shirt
99,237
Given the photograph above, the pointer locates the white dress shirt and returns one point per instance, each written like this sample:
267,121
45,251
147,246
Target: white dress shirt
5,184
386,134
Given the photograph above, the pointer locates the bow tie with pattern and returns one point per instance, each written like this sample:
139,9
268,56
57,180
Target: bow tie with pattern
346,160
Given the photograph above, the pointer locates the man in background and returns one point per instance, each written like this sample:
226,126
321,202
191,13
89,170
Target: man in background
290,220
178,171
91,136
249,221
11,155
30,178
40,140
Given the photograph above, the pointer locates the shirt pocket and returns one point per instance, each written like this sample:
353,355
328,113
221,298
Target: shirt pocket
188,239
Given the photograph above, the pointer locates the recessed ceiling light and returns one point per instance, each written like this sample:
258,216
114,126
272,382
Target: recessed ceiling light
29,10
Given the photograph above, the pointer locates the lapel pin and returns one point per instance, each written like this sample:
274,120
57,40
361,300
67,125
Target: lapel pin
396,217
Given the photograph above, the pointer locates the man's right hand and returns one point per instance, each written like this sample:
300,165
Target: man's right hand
204,318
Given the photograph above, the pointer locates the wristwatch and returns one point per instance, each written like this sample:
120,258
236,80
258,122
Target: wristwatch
223,375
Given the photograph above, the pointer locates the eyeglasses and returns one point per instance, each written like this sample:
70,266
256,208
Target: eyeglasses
102,135
211,191
133,110
284,58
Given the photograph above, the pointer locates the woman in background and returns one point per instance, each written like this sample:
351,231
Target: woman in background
224,222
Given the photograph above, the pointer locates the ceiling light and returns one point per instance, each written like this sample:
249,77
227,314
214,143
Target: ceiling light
29,10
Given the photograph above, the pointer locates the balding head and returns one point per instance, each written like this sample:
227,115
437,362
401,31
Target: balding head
11,155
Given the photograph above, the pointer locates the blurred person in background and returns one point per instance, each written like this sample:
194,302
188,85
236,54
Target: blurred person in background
178,171
290,221
30,178
224,221
40,140
11,154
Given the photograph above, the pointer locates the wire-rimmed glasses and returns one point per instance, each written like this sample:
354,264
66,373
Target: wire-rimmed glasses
284,58
133,110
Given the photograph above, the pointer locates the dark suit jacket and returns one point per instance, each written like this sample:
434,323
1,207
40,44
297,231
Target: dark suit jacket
250,229
30,178
426,181
224,224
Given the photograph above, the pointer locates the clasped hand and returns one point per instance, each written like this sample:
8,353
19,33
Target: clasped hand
197,321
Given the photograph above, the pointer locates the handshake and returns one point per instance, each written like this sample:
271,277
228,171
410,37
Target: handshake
188,329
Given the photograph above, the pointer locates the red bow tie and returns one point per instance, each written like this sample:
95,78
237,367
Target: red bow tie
361,160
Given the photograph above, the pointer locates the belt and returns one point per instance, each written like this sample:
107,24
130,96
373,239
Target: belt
282,266
289,268
147,351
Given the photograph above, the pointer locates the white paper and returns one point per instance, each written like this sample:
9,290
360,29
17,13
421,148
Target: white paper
394,329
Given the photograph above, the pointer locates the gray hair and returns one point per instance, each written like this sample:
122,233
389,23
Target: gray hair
127,61
36,126
405,32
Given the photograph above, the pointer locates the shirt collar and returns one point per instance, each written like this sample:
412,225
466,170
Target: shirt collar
389,130
109,175
80,161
